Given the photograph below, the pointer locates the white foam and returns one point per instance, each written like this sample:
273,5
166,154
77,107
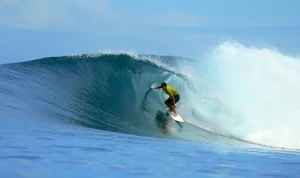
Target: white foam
262,86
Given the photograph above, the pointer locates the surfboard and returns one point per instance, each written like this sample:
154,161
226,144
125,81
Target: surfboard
176,118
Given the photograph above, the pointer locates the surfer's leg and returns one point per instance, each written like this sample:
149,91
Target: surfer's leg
172,104
168,102
177,98
172,107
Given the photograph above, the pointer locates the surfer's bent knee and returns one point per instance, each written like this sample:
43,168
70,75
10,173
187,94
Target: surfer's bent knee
177,98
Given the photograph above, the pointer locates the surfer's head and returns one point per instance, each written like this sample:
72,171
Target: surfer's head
163,86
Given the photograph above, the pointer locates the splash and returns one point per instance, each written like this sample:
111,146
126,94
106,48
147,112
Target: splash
262,86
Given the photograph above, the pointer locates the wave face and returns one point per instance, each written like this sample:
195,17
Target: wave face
236,94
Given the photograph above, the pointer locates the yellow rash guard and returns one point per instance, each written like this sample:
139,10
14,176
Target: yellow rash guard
171,91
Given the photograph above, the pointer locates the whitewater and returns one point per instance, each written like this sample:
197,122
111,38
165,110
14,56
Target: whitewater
260,86
96,114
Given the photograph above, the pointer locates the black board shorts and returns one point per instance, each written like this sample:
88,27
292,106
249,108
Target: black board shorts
170,100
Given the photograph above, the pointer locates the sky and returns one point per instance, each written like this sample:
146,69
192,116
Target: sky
35,29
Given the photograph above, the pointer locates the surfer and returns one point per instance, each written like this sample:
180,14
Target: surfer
174,96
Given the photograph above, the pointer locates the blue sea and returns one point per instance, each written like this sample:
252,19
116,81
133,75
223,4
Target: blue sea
96,115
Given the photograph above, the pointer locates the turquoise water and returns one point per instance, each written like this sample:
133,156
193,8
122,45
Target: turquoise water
96,116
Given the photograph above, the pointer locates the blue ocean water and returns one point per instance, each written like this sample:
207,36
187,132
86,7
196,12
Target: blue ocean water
95,115
76,152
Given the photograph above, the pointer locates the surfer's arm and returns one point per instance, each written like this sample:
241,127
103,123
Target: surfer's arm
156,87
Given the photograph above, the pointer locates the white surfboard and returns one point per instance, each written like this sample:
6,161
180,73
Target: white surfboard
176,118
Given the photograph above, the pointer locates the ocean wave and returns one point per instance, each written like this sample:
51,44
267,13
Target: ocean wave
230,97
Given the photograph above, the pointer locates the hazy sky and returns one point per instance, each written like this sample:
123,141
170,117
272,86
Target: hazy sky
31,29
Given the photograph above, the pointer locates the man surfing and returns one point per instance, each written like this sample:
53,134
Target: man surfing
174,97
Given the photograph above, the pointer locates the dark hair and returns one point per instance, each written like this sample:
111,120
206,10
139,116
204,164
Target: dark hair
163,84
